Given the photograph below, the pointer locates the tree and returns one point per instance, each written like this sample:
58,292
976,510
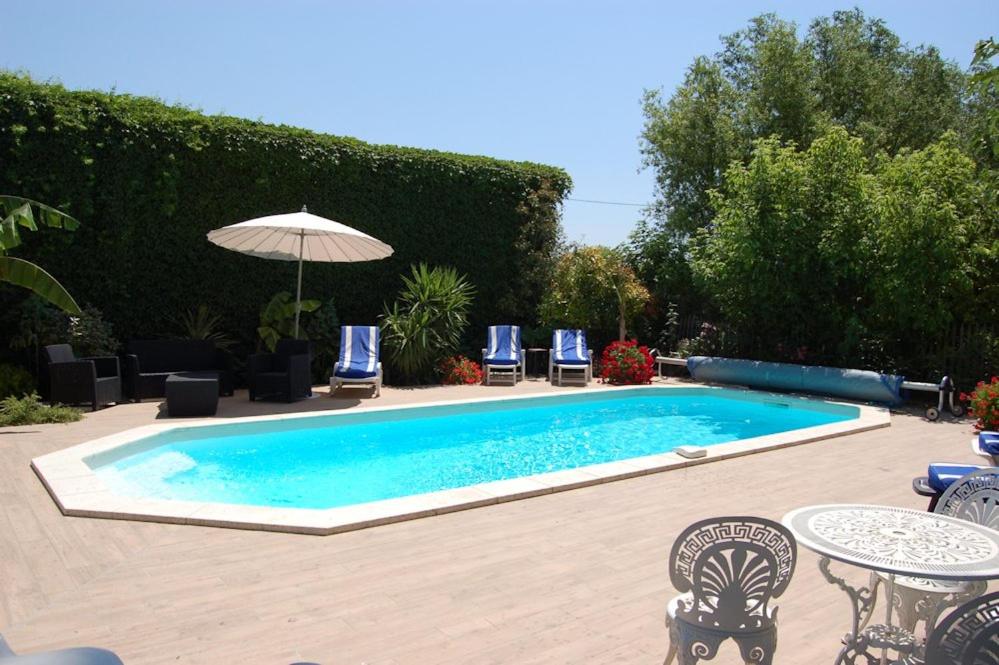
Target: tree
931,243
689,141
593,288
849,70
780,259
772,72
20,213
983,103
821,253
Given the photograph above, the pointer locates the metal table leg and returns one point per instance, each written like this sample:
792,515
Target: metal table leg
862,603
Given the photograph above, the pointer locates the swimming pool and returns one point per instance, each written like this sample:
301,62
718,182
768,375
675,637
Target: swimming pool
330,461
392,462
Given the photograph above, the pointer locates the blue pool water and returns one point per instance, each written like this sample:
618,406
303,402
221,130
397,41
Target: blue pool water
328,461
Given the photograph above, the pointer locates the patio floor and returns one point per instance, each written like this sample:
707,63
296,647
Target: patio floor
576,576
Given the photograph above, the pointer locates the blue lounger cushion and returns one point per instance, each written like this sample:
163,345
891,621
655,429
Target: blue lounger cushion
358,352
503,346
942,475
569,348
988,442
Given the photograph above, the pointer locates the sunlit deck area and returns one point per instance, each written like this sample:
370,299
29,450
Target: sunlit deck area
576,576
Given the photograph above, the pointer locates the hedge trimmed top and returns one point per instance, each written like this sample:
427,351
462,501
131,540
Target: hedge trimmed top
147,182
143,114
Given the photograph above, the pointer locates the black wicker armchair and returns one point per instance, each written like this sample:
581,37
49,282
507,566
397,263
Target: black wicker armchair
285,374
72,380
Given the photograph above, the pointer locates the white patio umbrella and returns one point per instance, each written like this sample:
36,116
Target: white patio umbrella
300,236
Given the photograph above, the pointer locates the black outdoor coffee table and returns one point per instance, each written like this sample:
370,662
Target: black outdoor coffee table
192,394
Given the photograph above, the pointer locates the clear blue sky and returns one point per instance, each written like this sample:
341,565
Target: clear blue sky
557,82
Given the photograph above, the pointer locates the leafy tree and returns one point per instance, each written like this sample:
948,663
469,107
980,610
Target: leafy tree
983,103
780,260
20,213
689,141
427,320
931,209
771,71
848,70
857,64
593,288
824,256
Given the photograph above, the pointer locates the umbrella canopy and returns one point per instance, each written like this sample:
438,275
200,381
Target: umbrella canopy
300,236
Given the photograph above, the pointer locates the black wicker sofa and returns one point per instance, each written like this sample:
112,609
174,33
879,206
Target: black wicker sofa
148,363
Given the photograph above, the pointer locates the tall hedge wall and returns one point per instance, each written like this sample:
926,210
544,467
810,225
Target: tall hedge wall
148,181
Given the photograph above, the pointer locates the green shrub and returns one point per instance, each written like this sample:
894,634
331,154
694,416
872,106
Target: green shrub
15,381
203,323
426,323
91,335
29,410
147,182
322,328
277,319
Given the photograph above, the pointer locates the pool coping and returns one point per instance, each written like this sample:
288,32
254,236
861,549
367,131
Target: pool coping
79,492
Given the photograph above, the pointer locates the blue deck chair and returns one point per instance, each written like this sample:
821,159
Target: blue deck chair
358,363
569,351
939,477
504,354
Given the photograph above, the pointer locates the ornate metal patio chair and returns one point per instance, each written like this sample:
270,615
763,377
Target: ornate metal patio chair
967,636
727,570
975,498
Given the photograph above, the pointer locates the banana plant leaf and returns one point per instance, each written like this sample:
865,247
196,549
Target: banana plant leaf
33,277
26,213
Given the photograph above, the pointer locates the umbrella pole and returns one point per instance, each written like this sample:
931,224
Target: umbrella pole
298,293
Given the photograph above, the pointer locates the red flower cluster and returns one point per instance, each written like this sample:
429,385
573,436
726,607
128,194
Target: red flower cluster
984,404
459,370
625,363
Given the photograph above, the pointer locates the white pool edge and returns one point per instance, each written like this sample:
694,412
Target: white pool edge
79,492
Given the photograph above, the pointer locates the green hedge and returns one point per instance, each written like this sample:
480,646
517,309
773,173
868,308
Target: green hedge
148,181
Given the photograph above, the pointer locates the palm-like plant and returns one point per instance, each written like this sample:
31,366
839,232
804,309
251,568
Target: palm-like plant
203,323
20,213
427,320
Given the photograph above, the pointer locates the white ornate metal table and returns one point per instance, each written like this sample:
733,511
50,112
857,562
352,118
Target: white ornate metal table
893,541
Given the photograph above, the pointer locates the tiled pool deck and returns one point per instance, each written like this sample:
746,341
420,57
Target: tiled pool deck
574,576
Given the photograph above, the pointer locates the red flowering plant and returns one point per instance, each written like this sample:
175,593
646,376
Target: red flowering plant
984,404
626,363
459,370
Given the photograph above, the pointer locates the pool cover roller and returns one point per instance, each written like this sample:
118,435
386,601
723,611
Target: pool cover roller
856,384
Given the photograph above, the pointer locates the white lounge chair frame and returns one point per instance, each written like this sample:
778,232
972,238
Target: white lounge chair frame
976,447
336,382
555,369
505,370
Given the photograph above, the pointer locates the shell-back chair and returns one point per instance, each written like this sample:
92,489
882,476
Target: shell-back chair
727,570
967,636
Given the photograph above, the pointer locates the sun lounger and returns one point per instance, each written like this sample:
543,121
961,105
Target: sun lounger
358,363
569,352
504,354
